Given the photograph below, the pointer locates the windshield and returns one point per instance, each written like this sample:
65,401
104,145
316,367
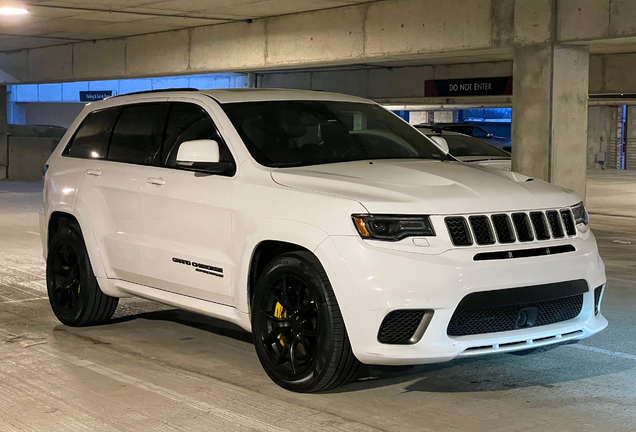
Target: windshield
301,133
459,146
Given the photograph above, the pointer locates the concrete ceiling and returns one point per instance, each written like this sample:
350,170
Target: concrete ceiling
57,22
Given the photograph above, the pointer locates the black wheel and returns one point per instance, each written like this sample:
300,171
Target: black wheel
298,330
73,292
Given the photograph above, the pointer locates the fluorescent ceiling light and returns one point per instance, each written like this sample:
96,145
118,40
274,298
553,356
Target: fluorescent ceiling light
12,11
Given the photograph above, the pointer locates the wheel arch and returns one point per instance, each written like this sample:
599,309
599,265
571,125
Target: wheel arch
264,253
274,238
59,219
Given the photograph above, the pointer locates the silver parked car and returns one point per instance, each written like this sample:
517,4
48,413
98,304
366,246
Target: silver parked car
469,149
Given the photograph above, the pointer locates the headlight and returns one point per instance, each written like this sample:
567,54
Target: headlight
580,213
391,227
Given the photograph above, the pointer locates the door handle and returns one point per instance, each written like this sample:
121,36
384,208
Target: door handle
156,181
94,172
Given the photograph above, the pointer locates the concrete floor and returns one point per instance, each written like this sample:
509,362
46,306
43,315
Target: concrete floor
158,369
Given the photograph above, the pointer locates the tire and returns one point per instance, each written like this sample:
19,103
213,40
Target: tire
74,294
294,310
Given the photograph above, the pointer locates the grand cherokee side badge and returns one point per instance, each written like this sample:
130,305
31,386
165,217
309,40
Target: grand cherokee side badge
200,268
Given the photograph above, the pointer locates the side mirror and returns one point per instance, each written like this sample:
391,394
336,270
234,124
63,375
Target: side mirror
441,143
202,155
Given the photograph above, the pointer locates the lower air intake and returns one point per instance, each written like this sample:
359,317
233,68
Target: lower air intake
399,326
513,309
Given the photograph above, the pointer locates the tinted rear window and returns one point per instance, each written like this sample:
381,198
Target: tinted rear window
91,138
134,138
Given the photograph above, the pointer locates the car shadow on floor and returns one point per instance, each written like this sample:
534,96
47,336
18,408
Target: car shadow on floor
493,373
190,319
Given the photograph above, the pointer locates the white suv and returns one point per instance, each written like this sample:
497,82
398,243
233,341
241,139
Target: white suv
328,227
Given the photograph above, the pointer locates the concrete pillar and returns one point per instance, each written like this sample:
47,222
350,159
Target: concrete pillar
600,122
549,119
4,150
630,139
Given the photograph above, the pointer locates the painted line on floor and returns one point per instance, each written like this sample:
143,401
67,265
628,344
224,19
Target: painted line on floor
604,351
23,300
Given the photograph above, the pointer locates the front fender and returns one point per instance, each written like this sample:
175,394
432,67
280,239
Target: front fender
289,231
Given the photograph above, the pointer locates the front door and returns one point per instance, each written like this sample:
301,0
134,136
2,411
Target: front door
187,216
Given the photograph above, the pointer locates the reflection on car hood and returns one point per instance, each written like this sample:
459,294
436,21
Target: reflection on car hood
426,187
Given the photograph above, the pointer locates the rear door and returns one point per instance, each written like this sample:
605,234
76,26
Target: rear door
187,216
110,189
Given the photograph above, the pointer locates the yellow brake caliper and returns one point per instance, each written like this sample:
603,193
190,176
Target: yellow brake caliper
280,312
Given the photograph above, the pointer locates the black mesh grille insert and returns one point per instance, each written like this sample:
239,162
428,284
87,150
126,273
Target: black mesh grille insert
555,223
481,230
506,318
503,228
458,230
568,221
597,299
399,326
523,227
540,226
514,308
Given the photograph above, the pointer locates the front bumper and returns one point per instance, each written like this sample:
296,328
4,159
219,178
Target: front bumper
370,282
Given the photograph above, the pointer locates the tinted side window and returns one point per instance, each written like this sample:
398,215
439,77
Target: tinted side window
134,138
188,122
91,138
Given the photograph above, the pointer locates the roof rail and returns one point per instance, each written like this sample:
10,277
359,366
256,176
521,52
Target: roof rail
190,89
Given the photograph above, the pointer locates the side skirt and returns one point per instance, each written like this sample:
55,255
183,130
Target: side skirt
119,288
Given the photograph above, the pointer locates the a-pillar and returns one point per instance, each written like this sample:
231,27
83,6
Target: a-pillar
4,151
550,91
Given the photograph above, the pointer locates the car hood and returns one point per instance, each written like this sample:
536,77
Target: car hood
426,187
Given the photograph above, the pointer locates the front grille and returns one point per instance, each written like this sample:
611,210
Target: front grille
597,299
458,230
505,229
399,326
555,223
568,221
482,230
524,232
540,226
507,310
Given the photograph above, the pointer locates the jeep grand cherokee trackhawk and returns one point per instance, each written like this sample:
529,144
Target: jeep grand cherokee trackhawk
328,227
